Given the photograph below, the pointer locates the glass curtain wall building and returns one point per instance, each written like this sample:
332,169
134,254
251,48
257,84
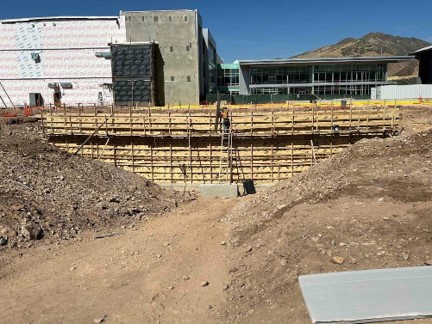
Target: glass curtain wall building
228,78
321,77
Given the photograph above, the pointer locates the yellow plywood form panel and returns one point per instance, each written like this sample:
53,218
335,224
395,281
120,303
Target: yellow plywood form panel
268,145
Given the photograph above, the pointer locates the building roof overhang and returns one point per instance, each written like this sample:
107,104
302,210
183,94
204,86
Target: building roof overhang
342,60
422,50
58,18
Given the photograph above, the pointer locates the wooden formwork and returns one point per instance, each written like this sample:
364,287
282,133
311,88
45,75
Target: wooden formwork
267,146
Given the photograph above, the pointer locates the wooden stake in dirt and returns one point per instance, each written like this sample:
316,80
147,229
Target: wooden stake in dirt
313,152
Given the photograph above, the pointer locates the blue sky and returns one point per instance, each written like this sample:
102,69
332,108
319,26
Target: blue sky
262,29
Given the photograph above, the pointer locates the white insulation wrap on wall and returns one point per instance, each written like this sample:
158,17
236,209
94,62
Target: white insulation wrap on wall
415,91
34,54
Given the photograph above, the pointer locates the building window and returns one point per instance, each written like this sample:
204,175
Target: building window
156,18
172,78
142,18
187,48
228,76
185,18
170,18
188,78
171,49
36,57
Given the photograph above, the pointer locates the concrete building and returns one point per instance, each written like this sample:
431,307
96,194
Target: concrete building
350,77
424,55
65,60
186,49
57,60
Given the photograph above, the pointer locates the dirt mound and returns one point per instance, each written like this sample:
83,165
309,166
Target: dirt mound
46,193
368,207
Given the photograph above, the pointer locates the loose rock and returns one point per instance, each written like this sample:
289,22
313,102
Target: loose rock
338,260
32,232
3,241
99,320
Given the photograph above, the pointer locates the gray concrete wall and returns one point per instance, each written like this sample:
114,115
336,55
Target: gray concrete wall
244,76
177,32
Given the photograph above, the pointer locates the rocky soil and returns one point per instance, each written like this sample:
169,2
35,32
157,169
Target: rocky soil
367,208
212,260
51,195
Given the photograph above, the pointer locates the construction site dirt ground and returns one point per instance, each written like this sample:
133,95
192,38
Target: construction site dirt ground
190,260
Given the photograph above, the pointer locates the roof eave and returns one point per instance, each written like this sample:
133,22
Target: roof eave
41,19
388,59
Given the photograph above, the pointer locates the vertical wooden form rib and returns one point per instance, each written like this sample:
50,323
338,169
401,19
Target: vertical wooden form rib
271,162
211,160
313,118
251,158
51,117
331,119
106,126
150,122
171,164
144,126
384,118
169,122
151,162
252,123
367,116
70,125
130,121
292,121
133,156
115,154
79,119
189,131
292,158
273,123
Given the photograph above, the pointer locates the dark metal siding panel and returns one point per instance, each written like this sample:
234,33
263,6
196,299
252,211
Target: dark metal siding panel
138,93
137,74
132,61
425,67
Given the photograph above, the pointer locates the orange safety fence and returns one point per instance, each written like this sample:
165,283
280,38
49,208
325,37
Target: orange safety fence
28,111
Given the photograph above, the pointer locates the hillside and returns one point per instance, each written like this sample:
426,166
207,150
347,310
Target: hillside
375,44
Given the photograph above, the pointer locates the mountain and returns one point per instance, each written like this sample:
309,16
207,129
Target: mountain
375,44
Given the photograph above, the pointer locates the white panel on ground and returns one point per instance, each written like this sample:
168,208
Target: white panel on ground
368,296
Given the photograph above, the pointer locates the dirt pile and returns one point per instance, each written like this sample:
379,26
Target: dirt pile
46,193
368,207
